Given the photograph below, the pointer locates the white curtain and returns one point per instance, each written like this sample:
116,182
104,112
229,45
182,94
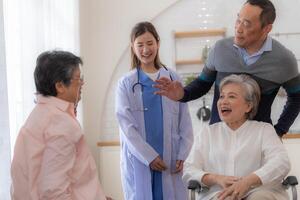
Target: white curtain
31,27
4,123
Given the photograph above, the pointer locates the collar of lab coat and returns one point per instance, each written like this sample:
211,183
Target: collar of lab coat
164,73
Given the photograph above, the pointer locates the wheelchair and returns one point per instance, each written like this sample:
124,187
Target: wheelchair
289,182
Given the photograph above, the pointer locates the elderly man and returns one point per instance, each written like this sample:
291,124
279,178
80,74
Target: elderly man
253,52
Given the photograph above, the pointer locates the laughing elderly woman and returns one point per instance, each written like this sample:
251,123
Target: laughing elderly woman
238,158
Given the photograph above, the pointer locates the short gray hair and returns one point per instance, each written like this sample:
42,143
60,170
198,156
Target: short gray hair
251,90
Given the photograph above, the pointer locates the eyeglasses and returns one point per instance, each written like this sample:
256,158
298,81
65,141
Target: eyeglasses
81,78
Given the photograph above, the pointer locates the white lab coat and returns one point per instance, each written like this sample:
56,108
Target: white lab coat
137,154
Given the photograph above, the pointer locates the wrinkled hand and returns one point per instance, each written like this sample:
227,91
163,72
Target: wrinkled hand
226,181
158,164
179,166
171,89
236,191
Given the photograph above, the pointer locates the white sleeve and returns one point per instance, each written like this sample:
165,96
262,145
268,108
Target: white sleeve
276,164
194,165
137,145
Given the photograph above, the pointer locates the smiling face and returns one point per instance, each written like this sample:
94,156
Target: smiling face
145,47
232,106
249,33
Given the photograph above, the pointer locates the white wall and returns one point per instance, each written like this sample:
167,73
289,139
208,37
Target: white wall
293,147
109,158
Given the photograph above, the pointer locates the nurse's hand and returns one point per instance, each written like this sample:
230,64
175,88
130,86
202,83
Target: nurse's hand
171,89
179,166
158,164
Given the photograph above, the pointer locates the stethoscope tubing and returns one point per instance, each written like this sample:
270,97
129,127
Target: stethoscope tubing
138,79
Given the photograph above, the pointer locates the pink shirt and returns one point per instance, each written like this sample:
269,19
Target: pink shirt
51,158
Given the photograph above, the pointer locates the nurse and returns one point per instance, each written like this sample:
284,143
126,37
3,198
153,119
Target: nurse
155,132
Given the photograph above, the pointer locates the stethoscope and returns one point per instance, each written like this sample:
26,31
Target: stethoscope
140,84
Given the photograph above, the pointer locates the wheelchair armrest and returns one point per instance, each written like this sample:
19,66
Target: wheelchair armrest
194,185
290,180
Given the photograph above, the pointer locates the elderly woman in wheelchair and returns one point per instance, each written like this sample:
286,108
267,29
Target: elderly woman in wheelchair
238,158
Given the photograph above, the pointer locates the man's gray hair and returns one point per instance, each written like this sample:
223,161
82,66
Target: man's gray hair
250,87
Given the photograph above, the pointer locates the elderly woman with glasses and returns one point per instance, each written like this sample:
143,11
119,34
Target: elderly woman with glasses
238,158
51,157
